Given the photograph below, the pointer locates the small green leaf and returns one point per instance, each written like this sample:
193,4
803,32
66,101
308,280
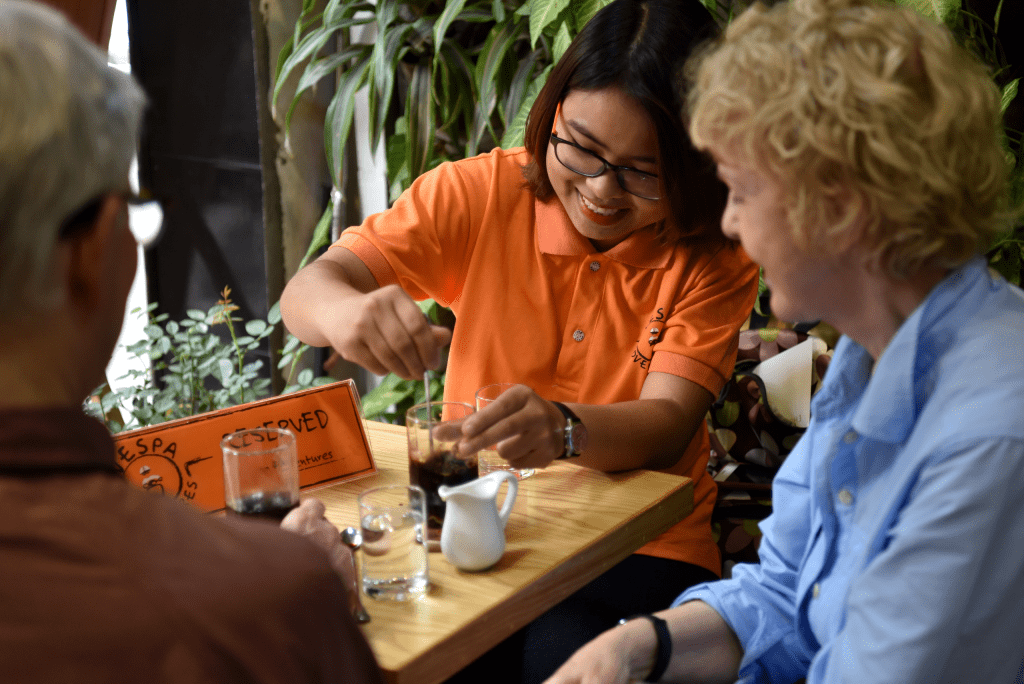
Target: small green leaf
562,40
419,114
274,315
109,401
584,10
488,63
305,377
1009,93
451,11
388,49
545,12
514,132
377,401
339,116
196,315
164,404
317,70
321,236
255,327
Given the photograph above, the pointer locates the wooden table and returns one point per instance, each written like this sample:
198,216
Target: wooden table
569,524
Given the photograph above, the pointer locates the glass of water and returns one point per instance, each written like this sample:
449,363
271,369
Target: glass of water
488,458
393,556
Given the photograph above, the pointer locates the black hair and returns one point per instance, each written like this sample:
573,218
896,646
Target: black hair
639,46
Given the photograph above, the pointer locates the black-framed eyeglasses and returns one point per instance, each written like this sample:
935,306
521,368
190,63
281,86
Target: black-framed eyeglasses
584,162
85,217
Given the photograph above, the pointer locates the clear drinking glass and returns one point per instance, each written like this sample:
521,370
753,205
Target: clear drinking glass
393,555
433,429
261,472
489,458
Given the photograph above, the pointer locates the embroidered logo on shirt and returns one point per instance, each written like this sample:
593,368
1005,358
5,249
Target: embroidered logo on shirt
654,335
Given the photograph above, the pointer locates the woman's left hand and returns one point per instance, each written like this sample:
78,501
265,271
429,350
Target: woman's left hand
528,430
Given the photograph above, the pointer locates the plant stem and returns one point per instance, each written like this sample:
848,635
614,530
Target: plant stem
238,352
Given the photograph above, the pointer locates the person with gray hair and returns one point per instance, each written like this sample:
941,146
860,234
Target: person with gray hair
68,137
101,581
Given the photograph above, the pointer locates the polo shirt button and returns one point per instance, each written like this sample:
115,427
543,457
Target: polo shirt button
595,266
578,336
850,437
845,497
816,590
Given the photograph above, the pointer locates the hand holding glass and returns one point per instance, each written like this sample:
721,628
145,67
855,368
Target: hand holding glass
489,459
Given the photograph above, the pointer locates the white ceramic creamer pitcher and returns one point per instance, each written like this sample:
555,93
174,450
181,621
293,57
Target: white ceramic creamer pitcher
473,532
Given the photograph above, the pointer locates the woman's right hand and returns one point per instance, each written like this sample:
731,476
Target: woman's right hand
335,301
384,331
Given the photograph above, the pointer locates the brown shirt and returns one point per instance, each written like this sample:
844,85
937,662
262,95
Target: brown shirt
102,582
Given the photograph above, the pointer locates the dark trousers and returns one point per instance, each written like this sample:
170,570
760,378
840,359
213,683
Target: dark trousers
639,584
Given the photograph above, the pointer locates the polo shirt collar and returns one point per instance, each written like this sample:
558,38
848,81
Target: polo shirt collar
557,235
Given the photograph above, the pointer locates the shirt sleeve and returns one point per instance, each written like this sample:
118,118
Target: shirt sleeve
425,240
759,601
943,601
703,326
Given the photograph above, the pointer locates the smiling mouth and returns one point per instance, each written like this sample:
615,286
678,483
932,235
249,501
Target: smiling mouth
603,216
598,210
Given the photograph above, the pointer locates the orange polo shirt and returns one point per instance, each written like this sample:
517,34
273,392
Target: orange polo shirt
536,304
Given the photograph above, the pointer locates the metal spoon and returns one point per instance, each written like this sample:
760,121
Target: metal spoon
353,539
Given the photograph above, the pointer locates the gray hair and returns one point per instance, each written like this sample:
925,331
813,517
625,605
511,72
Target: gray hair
69,125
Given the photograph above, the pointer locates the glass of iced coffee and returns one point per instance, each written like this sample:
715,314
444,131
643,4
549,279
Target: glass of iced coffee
433,431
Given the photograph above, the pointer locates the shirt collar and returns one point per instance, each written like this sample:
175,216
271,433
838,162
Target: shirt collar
892,395
557,235
54,437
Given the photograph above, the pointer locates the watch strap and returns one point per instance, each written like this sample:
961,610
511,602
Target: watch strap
571,419
663,652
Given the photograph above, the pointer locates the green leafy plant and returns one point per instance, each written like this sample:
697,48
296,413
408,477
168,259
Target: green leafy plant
189,369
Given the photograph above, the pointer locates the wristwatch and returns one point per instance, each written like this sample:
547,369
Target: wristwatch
575,432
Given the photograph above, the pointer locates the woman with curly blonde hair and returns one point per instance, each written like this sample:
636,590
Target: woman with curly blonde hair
861,148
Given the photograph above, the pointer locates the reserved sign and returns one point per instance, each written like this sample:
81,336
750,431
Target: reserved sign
182,458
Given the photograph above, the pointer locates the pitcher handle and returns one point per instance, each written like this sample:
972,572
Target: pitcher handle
510,495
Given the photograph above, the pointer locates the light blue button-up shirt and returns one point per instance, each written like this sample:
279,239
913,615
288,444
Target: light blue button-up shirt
895,551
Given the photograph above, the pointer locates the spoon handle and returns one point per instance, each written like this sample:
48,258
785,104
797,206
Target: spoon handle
358,612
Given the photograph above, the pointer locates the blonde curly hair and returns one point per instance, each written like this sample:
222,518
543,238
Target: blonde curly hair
860,109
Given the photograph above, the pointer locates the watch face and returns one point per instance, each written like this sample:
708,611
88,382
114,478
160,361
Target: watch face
578,438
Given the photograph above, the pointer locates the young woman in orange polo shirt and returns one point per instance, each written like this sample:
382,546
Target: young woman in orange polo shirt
589,268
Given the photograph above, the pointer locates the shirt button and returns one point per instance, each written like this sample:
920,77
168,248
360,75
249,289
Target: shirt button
845,497
595,266
578,336
850,437
816,590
